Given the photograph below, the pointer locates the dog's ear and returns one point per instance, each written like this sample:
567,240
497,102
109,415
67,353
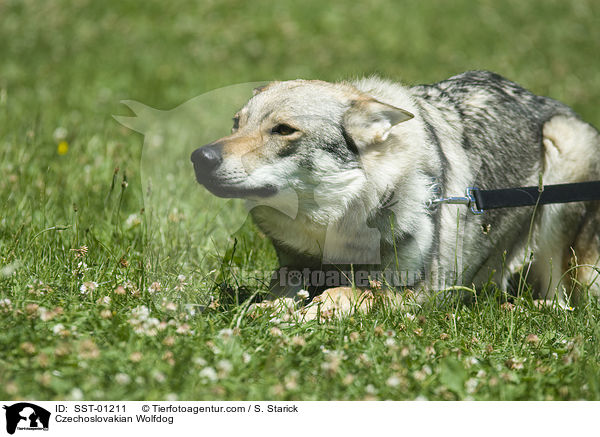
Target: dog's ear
259,89
370,121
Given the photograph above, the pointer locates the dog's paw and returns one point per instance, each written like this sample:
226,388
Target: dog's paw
281,309
340,302
336,303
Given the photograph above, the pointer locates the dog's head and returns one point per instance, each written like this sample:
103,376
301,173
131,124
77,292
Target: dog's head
296,134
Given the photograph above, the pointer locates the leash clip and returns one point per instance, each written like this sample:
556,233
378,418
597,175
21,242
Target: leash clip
468,200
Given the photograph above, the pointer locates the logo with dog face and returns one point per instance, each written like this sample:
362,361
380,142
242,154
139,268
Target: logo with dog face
25,416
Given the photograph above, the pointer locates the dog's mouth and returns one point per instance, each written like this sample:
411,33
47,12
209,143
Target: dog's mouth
227,190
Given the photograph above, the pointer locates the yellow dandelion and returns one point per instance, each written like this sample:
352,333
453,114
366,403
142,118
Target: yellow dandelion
63,148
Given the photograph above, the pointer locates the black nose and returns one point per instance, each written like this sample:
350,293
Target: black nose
207,158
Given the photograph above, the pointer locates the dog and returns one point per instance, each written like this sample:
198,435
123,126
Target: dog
342,176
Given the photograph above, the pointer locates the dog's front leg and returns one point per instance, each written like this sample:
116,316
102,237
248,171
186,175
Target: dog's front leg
287,289
293,275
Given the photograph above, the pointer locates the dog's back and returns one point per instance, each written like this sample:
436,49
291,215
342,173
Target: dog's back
500,121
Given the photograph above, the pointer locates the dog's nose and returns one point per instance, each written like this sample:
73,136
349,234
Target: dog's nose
207,158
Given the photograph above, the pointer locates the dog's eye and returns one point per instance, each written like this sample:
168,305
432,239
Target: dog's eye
283,129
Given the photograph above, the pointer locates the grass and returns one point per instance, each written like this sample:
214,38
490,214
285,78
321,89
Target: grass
67,65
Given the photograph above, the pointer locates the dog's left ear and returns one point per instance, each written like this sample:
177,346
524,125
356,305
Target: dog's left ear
370,121
260,89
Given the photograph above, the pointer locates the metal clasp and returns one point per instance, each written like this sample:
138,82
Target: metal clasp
468,200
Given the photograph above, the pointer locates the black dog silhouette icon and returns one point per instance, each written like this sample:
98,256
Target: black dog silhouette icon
26,415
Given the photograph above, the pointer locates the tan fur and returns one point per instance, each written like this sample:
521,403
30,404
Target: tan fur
238,146
563,229
586,248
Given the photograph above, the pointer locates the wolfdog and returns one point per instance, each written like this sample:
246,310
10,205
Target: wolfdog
343,175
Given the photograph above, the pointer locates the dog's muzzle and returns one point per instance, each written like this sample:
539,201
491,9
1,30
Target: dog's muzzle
206,159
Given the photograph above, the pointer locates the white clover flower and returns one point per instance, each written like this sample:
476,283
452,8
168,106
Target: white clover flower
154,288
246,357
60,133
471,361
303,294
225,366
132,221
45,315
88,287
159,376
130,286
209,373
9,269
419,375
150,327
183,329
410,316
5,303
393,381
76,394
370,389
471,385
182,283
142,323
122,378
152,322
333,359
199,361
58,328
225,334
140,312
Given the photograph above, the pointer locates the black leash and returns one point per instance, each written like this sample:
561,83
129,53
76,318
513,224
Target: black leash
482,200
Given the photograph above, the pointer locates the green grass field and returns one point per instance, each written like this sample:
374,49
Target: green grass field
120,319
